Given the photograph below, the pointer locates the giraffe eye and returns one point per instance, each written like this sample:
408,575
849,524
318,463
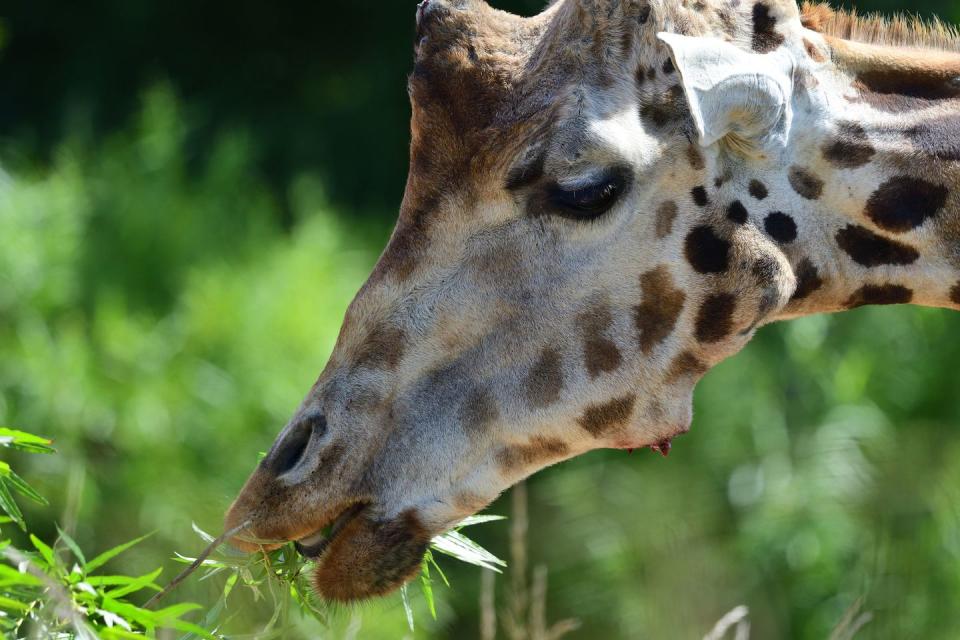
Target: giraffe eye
589,201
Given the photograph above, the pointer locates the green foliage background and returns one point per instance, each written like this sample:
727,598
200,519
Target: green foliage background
191,194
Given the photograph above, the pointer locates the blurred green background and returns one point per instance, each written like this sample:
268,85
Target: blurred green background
190,194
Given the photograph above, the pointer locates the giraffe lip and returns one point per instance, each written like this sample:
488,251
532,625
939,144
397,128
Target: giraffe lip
313,545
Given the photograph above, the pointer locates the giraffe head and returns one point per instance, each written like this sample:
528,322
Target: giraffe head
561,274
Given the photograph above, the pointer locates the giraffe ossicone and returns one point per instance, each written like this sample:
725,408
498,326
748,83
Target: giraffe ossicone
604,201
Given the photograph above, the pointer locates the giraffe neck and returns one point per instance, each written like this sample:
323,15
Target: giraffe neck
865,203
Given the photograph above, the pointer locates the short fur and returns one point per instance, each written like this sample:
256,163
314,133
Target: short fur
502,332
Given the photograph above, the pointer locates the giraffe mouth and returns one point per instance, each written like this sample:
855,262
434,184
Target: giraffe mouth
314,545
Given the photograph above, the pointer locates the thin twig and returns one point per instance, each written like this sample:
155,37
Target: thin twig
488,607
196,564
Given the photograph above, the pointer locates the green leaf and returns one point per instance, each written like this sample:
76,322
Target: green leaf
24,441
9,505
21,485
45,551
137,584
11,604
9,575
427,587
130,613
176,611
436,566
109,555
73,546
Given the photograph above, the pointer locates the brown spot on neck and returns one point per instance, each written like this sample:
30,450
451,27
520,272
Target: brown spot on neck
599,420
479,411
545,381
662,304
850,148
686,367
538,452
885,294
808,280
955,294
715,318
869,249
805,183
903,203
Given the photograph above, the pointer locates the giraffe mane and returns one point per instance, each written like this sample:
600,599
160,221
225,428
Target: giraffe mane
900,30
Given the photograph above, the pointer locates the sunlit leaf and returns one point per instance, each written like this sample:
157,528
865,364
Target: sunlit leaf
475,520
24,441
462,548
406,607
45,551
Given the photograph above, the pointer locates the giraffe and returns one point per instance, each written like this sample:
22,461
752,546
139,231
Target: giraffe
604,201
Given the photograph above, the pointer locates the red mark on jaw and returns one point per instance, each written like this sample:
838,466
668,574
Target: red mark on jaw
663,447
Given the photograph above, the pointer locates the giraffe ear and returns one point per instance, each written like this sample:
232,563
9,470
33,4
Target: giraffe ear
742,97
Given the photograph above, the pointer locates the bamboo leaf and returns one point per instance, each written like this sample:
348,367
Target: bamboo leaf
106,556
73,546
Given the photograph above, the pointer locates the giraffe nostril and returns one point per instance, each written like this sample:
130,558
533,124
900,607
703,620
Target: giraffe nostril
289,449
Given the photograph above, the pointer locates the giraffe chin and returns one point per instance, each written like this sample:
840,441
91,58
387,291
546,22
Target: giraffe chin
369,558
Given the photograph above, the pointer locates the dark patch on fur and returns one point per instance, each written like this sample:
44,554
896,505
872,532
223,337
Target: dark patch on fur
781,227
600,354
686,366
526,175
909,83
938,138
695,158
599,420
383,348
537,452
665,109
737,213
808,280
815,54
545,381
805,183
850,148
871,250
409,240
715,318
479,411
758,190
666,214
700,197
706,251
668,67
903,203
661,306
880,294
765,36
641,75
955,294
